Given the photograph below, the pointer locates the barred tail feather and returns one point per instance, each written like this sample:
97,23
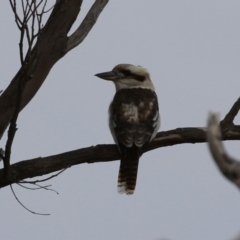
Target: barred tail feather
122,178
127,177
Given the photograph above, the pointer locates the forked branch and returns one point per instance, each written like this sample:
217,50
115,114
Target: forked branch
38,60
85,27
31,12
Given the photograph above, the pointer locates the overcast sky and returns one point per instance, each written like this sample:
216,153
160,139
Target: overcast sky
192,51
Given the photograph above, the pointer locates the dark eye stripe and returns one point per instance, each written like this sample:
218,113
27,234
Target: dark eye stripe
128,73
138,77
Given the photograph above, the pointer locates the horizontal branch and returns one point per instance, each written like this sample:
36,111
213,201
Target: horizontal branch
103,153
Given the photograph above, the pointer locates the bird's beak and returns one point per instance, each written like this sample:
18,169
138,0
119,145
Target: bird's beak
111,76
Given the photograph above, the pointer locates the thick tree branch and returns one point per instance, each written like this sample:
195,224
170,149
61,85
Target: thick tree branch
51,46
105,153
100,153
13,127
229,166
16,95
82,31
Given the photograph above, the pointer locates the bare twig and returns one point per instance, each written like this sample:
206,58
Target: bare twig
33,188
30,14
38,187
29,10
43,10
44,54
229,166
82,31
21,45
39,16
44,214
43,180
232,113
14,9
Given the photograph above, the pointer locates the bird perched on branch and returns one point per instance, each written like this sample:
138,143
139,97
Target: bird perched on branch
133,118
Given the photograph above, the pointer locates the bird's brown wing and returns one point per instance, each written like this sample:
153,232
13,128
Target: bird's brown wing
134,117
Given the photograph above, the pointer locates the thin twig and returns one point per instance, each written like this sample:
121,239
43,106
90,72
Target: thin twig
43,10
29,11
38,187
32,188
43,180
30,14
44,214
40,15
232,113
21,46
23,8
14,9
32,27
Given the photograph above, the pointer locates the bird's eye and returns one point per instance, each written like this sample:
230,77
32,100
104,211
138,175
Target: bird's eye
127,73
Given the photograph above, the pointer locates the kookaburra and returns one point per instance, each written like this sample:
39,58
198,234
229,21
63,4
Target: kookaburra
133,118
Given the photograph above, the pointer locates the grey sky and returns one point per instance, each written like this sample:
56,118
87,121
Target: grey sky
192,50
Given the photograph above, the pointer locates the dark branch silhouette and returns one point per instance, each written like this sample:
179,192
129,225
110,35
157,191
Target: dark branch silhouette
50,46
44,214
108,152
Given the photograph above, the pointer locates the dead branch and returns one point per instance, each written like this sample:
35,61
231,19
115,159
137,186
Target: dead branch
43,180
26,24
82,31
29,11
39,187
229,166
44,214
50,46
105,153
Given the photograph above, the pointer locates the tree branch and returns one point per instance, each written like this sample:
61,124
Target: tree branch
82,31
229,166
49,48
51,45
13,127
105,153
